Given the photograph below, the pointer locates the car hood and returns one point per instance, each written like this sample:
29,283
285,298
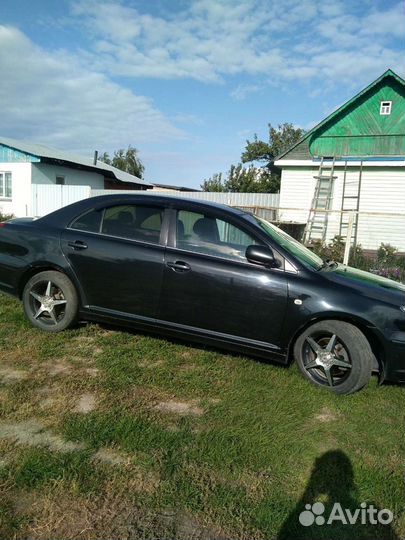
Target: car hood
367,283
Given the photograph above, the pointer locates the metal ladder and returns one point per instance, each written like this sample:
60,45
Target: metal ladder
317,223
351,203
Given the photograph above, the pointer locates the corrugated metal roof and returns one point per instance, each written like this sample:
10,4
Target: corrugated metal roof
47,152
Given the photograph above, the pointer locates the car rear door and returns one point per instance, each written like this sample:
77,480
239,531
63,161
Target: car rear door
208,283
117,254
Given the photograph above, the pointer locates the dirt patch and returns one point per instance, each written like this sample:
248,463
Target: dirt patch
180,407
10,375
185,368
84,339
326,415
86,404
59,368
33,433
187,354
151,365
112,457
93,372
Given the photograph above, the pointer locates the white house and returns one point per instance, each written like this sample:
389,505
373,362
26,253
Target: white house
25,168
351,166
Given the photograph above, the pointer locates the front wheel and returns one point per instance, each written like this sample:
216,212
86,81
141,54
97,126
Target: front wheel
50,301
334,355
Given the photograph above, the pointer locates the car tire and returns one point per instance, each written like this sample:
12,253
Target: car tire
334,355
50,301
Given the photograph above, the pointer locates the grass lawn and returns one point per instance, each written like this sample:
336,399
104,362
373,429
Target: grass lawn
107,433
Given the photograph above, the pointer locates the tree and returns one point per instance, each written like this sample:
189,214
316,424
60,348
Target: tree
213,184
240,179
125,160
248,180
280,139
263,179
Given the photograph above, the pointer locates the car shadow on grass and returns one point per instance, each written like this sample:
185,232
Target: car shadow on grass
322,511
189,342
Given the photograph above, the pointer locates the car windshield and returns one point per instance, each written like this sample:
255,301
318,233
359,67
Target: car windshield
291,245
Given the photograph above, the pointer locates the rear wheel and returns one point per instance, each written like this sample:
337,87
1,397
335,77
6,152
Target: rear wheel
50,301
334,355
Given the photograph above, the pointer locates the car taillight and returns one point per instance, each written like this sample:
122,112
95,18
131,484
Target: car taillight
2,224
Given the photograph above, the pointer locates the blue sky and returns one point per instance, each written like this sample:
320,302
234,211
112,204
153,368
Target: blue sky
186,82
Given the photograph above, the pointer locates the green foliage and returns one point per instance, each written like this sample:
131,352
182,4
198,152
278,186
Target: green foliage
387,255
125,160
250,180
5,217
280,139
214,184
387,263
265,179
240,179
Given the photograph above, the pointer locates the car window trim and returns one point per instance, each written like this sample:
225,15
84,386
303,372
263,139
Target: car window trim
172,241
170,249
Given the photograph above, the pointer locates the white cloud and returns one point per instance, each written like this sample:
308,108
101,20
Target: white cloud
243,90
50,97
210,39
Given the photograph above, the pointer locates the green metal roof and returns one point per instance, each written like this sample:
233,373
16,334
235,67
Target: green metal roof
308,144
46,152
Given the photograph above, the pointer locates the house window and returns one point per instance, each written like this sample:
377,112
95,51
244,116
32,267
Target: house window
5,185
385,107
60,180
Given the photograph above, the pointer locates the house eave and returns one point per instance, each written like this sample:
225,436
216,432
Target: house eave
350,162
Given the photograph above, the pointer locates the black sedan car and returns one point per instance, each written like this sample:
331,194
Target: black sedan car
208,273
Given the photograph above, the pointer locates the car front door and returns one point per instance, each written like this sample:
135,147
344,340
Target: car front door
208,283
117,254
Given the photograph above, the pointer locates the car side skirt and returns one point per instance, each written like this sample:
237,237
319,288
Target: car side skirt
184,332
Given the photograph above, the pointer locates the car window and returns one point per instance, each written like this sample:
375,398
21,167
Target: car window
291,245
212,236
136,222
88,222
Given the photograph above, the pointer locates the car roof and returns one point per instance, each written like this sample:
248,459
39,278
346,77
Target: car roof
65,214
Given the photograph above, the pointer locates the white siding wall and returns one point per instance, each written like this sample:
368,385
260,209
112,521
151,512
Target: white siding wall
44,173
296,192
382,190
20,204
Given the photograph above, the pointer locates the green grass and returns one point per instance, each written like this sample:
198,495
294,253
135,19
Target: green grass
198,442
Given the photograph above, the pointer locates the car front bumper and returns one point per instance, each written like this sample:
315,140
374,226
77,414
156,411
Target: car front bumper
394,365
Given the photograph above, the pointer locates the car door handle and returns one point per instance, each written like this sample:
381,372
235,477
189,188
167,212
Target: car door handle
77,244
179,266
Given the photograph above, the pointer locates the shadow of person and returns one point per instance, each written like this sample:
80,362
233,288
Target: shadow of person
322,512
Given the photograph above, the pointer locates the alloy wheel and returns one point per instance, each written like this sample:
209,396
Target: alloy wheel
47,302
326,359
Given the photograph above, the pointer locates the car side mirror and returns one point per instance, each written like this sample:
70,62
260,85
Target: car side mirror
262,255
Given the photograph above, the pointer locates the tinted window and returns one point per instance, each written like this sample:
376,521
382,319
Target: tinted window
206,234
134,222
88,222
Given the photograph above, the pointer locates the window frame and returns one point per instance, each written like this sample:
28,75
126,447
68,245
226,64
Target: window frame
223,216
3,196
385,104
163,231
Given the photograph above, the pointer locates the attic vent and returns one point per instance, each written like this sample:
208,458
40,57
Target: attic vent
385,107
